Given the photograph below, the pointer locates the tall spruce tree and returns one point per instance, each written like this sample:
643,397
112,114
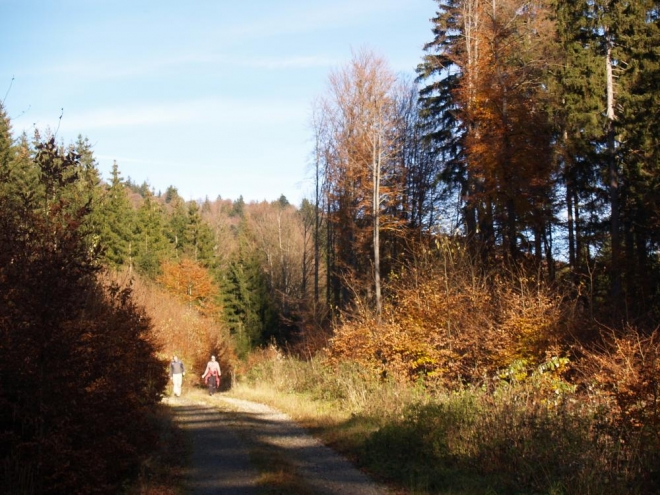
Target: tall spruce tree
637,67
614,44
451,63
5,140
198,239
578,89
247,305
90,179
607,145
443,130
177,221
150,242
116,221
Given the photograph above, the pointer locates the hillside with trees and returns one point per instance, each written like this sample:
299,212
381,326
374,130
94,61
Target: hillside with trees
487,234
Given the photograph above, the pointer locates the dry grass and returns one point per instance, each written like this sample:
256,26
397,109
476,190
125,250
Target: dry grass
162,472
527,433
298,406
277,474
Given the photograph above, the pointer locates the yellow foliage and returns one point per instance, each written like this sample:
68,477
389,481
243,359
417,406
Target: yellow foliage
192,283
529,324
180,328
446,322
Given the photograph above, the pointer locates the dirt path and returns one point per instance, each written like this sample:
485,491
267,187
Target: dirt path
223,430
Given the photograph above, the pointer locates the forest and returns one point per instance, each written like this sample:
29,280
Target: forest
489,232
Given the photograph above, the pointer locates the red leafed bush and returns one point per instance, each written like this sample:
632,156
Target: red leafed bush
625,368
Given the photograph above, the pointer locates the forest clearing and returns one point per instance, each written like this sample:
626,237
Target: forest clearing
467,303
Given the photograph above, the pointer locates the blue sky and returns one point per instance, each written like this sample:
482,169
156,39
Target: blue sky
213,97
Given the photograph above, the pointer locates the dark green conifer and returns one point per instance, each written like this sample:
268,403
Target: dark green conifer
116,218
247,303
151,245
199,241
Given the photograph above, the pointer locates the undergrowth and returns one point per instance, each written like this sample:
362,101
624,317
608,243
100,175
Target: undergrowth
512,436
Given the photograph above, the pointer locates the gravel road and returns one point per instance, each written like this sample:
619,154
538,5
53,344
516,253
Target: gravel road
222,428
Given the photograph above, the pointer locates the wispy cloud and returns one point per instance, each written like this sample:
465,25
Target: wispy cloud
222,40
132,116
213,111
122,69
138,161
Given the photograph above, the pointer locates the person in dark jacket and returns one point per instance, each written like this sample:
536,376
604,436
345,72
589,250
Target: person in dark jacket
177,372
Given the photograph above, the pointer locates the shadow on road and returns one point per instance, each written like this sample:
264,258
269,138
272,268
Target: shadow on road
223,434
219,461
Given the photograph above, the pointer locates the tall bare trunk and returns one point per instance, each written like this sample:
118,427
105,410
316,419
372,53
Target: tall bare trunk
613,178
376,219
470,28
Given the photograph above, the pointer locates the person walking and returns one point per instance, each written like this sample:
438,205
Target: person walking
211,375
177,372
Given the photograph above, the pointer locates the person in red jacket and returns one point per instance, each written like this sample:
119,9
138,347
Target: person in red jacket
212,375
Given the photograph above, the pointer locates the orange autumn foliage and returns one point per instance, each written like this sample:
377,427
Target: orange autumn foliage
623,373
192,283
179,328
446,321
503,98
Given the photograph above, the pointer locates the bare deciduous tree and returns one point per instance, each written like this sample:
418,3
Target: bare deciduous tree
359,128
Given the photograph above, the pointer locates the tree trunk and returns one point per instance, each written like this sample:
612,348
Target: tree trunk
376,219
570,225
613,180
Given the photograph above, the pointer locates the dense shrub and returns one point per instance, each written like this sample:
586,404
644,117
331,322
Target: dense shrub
346,385
620,376
78,371
448,321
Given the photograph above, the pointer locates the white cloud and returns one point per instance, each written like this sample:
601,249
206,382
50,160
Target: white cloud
299,18
138,161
